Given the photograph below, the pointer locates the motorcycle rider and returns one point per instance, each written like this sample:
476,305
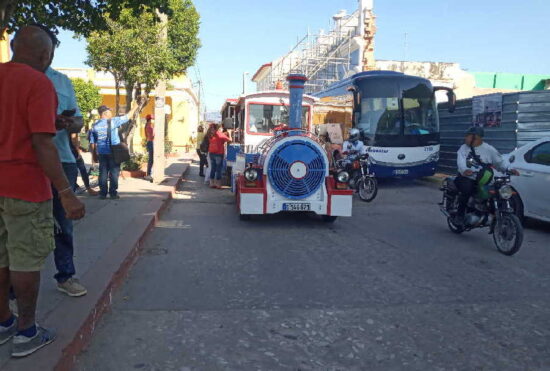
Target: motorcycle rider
467,181
354,145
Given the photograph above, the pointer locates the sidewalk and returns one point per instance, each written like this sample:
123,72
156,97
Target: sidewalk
106,246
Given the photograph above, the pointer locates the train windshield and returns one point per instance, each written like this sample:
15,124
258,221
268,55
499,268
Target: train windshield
264,118
403,111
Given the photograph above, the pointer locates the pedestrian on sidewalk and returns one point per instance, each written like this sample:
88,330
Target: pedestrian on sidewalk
150,138
29,164
202,150
216,150
76,149
64,240
101,141
206,141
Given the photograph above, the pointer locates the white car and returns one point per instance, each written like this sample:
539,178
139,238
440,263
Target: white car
533,185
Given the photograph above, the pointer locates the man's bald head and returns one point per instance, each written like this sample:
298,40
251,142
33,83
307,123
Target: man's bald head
32,46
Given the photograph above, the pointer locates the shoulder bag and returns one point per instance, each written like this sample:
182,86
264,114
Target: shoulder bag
120,152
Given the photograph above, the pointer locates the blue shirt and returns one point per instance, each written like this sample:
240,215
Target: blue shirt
66,101
99,134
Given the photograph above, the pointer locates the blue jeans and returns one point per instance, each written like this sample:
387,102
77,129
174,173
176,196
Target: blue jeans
83,172
64,248
151,154
108,169
216,164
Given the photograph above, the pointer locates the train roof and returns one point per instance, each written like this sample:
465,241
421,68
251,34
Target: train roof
275,93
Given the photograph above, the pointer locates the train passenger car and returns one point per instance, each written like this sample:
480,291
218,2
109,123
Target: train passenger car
398,117
283,166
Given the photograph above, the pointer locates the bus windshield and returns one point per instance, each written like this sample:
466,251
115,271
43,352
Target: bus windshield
414,113
264,118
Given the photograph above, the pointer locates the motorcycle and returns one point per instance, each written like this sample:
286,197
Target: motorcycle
489,207
361,179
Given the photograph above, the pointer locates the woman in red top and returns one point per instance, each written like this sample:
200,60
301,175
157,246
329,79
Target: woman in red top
150,138
216,150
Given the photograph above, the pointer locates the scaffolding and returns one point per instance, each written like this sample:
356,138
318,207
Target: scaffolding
323,58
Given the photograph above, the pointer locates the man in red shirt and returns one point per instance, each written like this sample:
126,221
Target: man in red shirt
29,164
150,138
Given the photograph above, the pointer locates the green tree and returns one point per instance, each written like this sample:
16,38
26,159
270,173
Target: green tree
87,96
134,51
80,16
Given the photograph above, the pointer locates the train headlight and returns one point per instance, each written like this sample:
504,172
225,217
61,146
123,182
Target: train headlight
342,177
506,192
251,175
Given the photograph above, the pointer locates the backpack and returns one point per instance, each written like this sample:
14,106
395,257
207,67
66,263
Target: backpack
205,144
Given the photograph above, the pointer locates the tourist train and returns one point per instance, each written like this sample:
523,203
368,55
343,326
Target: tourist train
276,163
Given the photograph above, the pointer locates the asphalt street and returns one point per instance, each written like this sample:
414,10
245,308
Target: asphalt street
389,289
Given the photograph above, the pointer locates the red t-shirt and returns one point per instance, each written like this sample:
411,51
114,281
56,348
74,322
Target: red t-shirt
28,105
215,145
149,133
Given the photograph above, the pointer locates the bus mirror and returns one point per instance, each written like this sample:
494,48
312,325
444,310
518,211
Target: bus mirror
451,96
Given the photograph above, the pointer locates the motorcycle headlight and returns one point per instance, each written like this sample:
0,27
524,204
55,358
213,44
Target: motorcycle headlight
342,177
506,192
251,175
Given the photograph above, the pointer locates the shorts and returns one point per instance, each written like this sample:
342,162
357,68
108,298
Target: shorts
26,234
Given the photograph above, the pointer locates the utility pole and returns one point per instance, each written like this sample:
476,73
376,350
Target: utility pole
406,46
159,164
244,81
199,105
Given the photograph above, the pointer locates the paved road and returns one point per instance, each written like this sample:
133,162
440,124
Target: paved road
390,289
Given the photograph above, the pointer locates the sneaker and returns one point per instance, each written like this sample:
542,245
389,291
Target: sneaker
6,333
92,192
72,287
115,197
24,346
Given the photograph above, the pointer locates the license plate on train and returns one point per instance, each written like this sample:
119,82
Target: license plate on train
401,172
296,207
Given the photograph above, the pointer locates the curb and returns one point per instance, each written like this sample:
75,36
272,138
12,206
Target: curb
76,321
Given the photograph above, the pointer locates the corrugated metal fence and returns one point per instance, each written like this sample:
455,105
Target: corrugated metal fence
525,117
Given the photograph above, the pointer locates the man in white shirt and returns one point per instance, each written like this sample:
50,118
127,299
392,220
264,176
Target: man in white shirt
482,154
353,145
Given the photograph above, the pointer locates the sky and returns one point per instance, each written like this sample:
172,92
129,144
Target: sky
240,35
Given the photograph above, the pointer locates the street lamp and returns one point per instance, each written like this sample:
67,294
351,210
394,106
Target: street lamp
244,81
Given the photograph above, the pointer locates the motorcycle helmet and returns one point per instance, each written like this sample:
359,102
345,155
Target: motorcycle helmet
476,130
354,135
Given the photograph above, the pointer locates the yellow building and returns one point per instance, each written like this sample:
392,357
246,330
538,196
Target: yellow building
182,104
182,113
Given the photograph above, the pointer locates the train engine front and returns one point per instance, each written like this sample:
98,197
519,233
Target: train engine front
291,172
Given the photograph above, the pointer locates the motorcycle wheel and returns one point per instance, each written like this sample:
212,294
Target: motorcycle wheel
367,189
453,227
508,234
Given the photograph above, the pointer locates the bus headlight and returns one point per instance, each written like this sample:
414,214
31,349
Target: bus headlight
342,177
506,192
433,157
251,175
